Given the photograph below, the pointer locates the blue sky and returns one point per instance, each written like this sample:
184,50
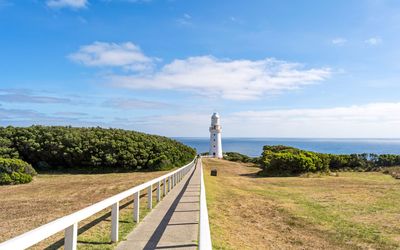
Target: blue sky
271,68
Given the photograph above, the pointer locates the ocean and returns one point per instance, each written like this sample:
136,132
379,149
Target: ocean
253,146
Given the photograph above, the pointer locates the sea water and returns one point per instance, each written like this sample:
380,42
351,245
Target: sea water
253,146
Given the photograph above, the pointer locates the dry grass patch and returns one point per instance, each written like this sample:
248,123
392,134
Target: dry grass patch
48,197
352,211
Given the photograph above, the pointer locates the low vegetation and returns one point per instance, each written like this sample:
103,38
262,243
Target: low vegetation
288,161
238,157
15,171
393,171
91,149
354,210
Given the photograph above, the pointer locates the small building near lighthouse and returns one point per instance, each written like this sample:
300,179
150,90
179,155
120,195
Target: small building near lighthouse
215,137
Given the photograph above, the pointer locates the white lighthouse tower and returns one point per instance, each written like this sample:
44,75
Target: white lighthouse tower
215,137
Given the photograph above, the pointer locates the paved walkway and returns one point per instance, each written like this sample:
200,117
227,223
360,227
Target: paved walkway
173,223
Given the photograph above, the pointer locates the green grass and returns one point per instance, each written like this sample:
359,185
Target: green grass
356,210
330,217
98,237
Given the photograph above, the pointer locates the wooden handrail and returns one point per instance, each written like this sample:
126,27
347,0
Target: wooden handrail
70,222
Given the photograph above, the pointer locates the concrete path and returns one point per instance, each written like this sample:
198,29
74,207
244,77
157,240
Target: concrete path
173,223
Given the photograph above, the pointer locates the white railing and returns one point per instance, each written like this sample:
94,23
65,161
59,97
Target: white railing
204,232
70,222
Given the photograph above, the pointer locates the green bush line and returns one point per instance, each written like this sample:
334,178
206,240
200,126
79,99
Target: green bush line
289,161
234,156
62,148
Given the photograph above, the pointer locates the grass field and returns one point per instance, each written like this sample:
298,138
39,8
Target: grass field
351,211
48,197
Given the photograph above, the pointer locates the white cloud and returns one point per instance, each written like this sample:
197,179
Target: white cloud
134,104
339,41
374,120
373,112
373,41
185,20
75,4
101,54
368,121
229,79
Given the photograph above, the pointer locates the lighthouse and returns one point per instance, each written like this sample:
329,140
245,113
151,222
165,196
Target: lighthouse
215,137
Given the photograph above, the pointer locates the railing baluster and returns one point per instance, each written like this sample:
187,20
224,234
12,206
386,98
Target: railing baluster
158,192
114,222
136,207
150,197
71,237
164,186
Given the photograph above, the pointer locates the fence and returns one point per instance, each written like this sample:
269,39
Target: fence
70,222
204,232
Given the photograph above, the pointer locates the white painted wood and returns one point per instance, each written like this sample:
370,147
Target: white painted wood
169,184
114,222
150,197
205,235
158,192
36,235
136,207
71,237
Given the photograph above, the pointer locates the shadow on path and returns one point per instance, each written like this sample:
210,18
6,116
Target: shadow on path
156,236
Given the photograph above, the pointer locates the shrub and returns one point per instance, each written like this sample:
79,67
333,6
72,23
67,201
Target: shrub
5,179
284,160
42,166
93,149
288,161
238,157
15,171
16,165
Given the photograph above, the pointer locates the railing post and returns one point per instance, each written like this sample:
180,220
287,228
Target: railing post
164,186
150,197
136,206
169,183
71,237
114,222
158,192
